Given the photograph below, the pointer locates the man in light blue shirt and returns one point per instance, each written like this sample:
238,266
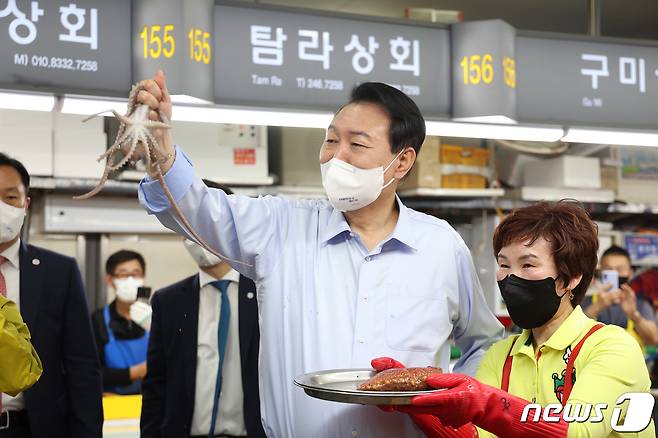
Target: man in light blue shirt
341,281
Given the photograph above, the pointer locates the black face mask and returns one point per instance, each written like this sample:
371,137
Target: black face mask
530,303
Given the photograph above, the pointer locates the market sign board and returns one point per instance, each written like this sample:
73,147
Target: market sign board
66,46
483,69
245,55
587,82
289,58
177,37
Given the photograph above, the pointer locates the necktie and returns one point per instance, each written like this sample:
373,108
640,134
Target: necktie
3,292
222,336
3,285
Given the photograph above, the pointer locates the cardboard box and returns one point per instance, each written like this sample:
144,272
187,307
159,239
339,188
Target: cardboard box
464,155
565,171
464,167
463,181
426,172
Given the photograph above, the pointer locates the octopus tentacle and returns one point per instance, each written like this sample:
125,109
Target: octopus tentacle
99,186
116,146
128,155
147,155
155,147
186,224
136,129
154,124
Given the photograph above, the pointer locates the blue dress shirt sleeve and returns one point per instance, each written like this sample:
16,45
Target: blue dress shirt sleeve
239,227
477,327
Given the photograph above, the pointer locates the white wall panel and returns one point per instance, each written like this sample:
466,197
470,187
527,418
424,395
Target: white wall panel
234,154
27,136
77,145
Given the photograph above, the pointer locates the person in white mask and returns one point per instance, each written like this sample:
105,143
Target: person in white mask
202,377
47,289
343,280
122,327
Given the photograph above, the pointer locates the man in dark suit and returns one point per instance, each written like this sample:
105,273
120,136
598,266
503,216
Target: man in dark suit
66,401
203,344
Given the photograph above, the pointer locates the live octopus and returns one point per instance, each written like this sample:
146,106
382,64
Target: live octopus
135,132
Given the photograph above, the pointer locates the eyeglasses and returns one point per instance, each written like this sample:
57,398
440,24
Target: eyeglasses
123,275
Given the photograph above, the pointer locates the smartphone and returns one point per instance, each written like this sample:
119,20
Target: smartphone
144,293
611,277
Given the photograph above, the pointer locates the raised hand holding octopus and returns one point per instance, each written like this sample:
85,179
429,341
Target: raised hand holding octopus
144,134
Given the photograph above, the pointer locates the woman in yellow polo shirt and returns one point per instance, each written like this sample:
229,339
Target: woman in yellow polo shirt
546,258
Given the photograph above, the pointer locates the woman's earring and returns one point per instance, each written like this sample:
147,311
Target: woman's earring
570,295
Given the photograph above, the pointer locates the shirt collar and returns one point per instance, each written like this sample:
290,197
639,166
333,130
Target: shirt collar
205,278
336,225
569,331
402,233
11,253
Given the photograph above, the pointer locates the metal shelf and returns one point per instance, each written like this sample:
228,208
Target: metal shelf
127,185
71,184
136,175
451,193
558,193
633,208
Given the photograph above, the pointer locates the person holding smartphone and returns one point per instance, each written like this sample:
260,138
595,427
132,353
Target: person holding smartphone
122,327
616,302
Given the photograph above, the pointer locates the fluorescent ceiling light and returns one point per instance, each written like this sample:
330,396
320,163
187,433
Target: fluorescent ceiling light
27,102
494,131
604,136
240,116
251,117
87,107
185,99
487,119
206,114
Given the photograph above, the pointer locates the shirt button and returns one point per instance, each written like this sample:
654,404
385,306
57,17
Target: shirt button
368,258
362,341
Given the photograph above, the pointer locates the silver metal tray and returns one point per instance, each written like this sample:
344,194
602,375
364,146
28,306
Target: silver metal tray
340,386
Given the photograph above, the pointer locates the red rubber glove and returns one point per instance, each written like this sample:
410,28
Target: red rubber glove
465,400
432,428
384,363
429,424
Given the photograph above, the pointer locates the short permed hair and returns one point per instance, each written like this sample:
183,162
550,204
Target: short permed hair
407,124
123,256
567,227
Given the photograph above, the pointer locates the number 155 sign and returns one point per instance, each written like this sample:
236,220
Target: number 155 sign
160,41
175,36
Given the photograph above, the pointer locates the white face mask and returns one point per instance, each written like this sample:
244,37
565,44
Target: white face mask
201,256
11,221
126,288
350,188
